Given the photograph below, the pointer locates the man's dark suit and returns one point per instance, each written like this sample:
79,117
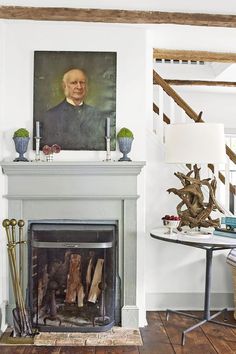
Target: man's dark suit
74,127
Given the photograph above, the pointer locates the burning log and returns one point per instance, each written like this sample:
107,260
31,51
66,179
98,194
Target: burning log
97,278
74,283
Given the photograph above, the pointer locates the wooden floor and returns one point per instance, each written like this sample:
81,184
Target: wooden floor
159,337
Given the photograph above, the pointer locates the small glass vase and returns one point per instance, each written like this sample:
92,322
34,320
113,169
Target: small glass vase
49,158
171,225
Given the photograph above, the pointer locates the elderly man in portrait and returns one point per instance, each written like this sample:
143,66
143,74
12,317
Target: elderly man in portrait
73,124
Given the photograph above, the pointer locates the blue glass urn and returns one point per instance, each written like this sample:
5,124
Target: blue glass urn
125,144
21,145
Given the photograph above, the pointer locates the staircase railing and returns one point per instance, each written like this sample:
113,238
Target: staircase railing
230,189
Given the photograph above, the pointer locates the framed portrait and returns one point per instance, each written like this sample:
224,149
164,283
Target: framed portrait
74,94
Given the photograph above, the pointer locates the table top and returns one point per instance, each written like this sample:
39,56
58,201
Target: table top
194,239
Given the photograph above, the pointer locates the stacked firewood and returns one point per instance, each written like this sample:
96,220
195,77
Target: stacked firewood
78,284
75,288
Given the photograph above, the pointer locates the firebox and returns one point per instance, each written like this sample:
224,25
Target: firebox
73,278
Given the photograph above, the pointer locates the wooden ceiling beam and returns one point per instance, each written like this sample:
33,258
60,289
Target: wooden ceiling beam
200,83
115,16
194,55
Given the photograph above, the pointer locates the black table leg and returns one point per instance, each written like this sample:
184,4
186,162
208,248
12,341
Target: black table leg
207,314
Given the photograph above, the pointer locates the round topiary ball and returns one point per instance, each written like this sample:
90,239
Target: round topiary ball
21,133
125,133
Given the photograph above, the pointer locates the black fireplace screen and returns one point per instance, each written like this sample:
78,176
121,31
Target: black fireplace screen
72,276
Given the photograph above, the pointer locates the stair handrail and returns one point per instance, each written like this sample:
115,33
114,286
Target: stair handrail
158,80
167,120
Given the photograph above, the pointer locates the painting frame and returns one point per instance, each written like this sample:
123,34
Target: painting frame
75,130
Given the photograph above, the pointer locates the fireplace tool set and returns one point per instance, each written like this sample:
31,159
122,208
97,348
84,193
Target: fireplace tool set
21,318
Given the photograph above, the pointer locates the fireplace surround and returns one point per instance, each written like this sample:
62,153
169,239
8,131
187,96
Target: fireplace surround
82,191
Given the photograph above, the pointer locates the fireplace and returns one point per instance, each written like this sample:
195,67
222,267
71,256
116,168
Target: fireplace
72,275
72,190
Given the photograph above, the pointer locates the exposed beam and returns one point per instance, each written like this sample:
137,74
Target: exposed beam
194,55
115,16
200,83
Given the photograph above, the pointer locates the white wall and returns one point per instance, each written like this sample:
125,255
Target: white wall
172,271
3,205
21,39
217,106
212,39
24,37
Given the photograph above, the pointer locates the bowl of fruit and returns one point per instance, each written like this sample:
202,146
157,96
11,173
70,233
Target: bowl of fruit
171,222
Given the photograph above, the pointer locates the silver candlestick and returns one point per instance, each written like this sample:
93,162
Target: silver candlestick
108,148
37,148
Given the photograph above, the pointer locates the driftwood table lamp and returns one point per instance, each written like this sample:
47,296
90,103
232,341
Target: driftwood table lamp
196,143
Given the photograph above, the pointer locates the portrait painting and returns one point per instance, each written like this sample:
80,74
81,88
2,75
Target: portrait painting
74,94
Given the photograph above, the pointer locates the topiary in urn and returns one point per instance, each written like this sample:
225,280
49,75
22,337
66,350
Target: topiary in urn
21,139
125,138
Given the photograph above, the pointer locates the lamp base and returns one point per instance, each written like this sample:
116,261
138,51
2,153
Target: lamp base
198,234
193,211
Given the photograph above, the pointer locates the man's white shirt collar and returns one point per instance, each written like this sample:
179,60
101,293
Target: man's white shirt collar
70,101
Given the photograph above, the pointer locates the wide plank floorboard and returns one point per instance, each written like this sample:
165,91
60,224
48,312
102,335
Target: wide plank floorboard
77,350
222,338
159,337
117,350
195,342
154,336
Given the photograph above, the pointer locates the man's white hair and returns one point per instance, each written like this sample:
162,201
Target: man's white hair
65,80
67,73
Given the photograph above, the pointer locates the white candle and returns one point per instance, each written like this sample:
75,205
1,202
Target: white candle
108,130
37,129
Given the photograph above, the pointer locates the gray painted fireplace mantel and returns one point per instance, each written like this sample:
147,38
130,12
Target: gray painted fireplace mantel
83,191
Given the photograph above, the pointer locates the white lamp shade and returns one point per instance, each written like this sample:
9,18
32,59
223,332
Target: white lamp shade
195,143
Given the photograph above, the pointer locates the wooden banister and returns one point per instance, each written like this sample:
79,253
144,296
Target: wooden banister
166,119
156,110
231,154
157,79
232,188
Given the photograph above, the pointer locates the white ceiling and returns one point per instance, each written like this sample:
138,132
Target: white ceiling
208,72
196,6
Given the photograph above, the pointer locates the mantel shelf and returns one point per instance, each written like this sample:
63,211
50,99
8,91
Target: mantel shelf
72,168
